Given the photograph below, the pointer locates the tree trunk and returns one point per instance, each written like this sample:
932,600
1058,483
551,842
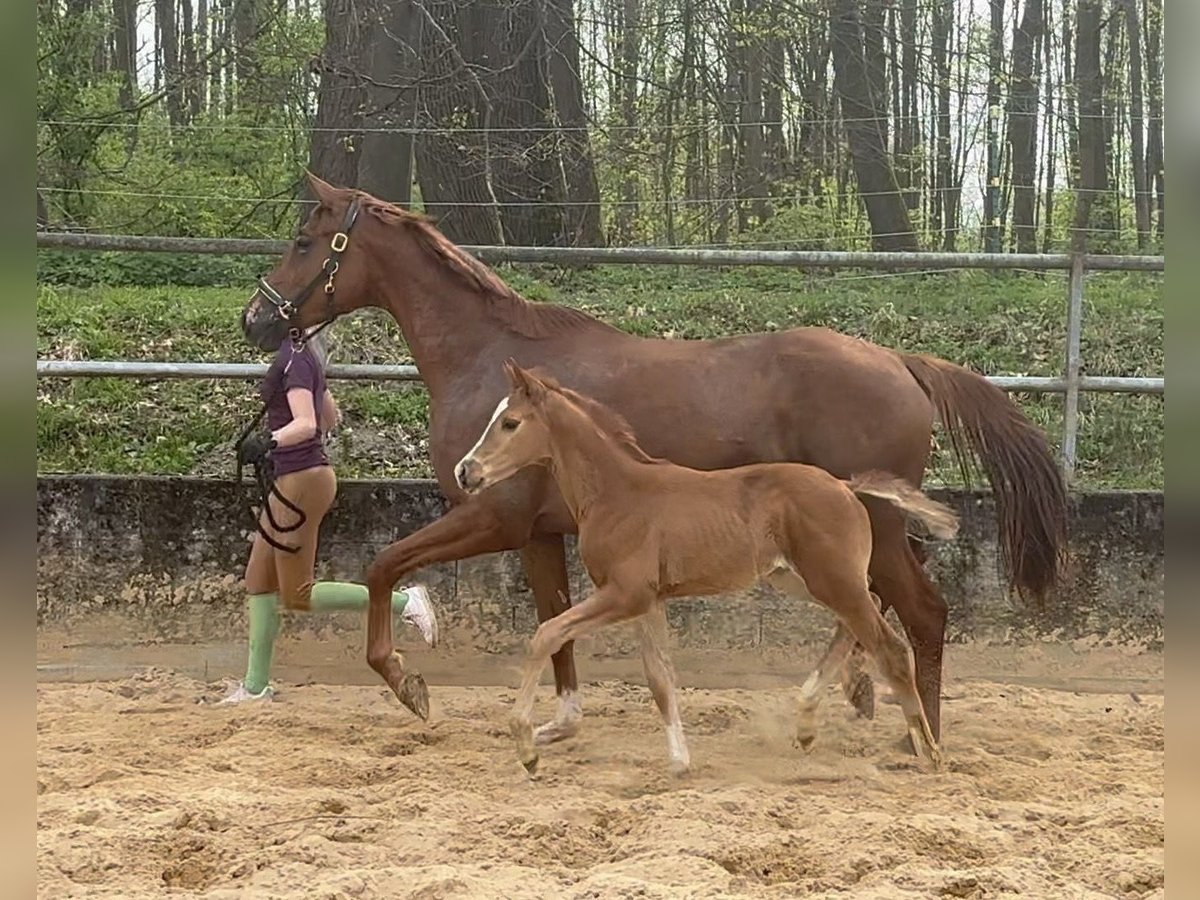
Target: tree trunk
727,112
876,61
909,122
1137,125
1091,120
456,168
582,194
751,183
336,139
189,80
943,209
125,39
1050,129
890,226
1022,127
991,194
1152,19
168,35
391,34
627,212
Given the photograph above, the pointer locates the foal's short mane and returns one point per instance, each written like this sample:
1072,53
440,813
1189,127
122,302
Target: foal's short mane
533,320
608,420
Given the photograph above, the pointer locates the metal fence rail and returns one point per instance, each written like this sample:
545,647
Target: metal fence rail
1071,384
100,368
657,256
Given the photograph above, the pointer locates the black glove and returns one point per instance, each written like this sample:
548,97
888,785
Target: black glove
254,449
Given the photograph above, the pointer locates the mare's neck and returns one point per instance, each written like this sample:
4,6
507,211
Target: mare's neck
445,322
587,465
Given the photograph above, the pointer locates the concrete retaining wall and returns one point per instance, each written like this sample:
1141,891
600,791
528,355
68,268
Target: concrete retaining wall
164,555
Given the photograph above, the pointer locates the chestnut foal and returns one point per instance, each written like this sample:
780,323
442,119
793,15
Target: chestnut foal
651,531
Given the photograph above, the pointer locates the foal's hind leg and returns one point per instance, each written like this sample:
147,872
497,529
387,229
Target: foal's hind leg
858,609
661,678
832,664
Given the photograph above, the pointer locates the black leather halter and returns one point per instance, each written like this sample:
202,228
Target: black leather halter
289,308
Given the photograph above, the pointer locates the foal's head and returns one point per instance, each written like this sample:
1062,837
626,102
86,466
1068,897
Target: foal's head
517,435
519,432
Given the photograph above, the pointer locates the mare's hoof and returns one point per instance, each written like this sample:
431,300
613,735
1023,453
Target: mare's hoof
805,742
531,766
414,694
862,696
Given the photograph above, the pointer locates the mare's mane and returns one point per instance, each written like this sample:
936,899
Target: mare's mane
605,418
510,309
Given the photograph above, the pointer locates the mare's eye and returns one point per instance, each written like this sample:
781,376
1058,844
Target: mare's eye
509,424
303,242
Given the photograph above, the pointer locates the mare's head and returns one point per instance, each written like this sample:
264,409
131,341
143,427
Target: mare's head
324,273
517,435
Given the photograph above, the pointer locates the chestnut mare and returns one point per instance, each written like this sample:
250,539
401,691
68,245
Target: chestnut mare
803,395
651,531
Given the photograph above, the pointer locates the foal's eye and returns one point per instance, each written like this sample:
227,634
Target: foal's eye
509,424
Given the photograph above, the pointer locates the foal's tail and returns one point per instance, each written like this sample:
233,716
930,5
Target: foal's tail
1031,497
937,517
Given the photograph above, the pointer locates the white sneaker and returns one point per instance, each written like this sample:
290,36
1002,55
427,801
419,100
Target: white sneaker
240,695
420,614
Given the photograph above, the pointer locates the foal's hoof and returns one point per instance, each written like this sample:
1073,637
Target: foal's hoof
862,696
906,746
805,742
522,733
556,730
414,694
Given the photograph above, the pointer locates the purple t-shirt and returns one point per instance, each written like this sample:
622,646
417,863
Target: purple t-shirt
302,371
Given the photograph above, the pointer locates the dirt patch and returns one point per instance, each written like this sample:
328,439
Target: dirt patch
335,791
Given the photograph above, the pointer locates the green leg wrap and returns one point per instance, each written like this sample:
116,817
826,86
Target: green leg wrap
264,627
337,596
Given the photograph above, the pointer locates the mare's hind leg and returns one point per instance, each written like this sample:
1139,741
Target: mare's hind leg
901,582
660,676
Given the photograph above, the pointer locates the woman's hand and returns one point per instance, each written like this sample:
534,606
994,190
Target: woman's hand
304,419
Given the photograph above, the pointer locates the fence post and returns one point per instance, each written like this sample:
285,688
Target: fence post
1071,376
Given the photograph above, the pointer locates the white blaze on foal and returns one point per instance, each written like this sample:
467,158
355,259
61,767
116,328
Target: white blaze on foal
496,413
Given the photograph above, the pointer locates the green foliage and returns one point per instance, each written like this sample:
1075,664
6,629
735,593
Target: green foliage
1005,323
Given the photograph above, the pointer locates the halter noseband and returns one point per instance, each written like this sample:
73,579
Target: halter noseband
289,308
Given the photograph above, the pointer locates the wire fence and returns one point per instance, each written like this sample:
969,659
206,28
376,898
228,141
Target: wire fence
1071,384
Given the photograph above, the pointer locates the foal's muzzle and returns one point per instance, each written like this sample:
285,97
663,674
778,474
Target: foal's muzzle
469,475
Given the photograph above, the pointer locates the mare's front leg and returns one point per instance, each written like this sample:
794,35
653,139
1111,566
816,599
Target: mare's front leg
469,529
602,607
545,559
660,675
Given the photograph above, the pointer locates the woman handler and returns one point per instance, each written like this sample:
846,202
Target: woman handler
299,410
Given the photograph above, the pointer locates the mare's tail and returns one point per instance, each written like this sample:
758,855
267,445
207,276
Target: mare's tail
1030,494
937,517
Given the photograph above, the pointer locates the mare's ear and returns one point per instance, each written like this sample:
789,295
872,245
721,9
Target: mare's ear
325,193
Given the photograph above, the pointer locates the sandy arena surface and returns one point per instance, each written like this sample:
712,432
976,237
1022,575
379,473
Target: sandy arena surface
336,791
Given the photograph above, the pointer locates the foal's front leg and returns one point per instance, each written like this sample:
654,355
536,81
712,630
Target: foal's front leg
603,606
660,676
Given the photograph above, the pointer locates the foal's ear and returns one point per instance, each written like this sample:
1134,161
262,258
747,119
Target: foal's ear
323,191
523,381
